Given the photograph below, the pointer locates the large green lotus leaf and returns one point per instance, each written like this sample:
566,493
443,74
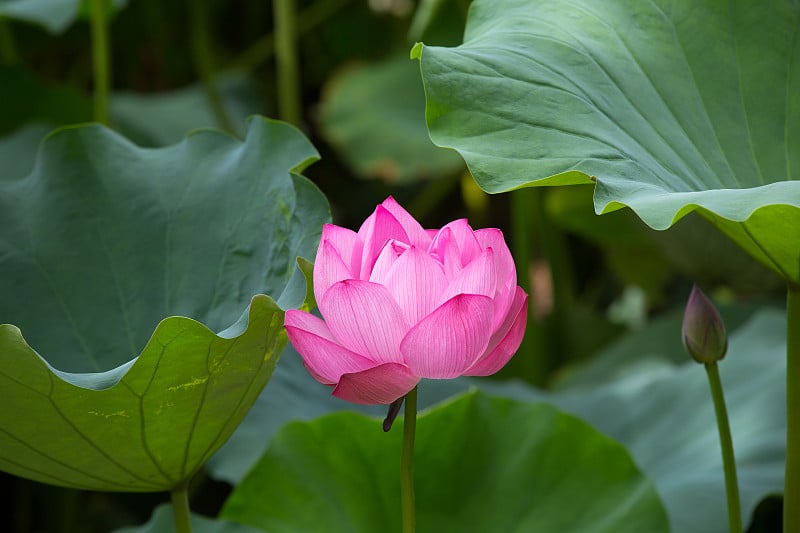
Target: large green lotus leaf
374,116
145,426
481,464
100,242
103,238
53,15
668,106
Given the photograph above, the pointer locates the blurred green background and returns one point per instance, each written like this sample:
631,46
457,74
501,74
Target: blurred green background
339,70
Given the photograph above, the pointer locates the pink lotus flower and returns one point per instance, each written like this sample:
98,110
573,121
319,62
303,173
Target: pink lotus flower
401,303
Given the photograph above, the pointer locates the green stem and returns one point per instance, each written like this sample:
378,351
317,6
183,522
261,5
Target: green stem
791,491
728,460
288,73
203,58
180,509
8,49
407,464
308,19
100,60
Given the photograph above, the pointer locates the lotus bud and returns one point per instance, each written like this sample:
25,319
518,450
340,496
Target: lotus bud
703,331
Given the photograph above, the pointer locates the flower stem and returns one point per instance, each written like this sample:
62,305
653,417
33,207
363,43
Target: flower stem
180,509
728,460
100,60
791,491
407,463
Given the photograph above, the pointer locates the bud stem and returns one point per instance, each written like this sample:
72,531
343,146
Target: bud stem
791,490
728,460
407,463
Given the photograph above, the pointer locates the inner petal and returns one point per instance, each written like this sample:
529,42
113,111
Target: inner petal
415,281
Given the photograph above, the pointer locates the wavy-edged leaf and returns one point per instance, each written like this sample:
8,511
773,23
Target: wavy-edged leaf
152,429
481,464
669,106
103,239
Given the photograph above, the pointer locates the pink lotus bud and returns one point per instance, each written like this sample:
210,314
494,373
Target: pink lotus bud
401,303
703,331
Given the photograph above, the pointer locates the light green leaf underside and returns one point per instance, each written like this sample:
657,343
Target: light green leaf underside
481,464
670,106
150,431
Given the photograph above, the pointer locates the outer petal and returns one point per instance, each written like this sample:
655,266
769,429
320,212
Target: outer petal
503,261
379,385
364,318
417,235
506,340
478,277
451,338
505,269
374,233
329,268
415,281
324,358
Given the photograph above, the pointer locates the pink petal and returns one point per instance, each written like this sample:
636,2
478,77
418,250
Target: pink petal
374,233
378,385
342,239
503,261
445,249
324,358
464,238
329,268
478,277
505,342
504,268
415,281
450,339
417,235
364,318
